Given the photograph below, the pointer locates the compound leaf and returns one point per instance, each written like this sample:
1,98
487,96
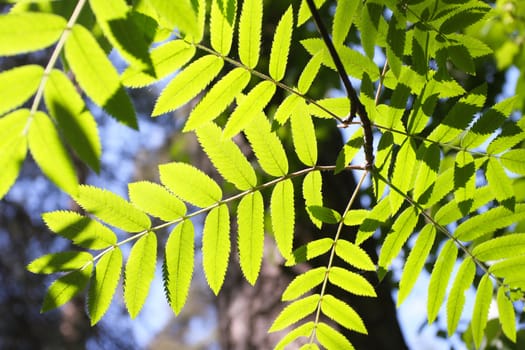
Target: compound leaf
283,216
66,287
250,25
342,313
354,255
303,283
281,45
439,278
312,193
397,237
294,312
303,133
17,85
332,339
222,22
480,313
250,222
507,314
351,282
13,144
155,200
59,262
456,298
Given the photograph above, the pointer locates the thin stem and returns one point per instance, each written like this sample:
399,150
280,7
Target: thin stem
332,251
381,80
52,61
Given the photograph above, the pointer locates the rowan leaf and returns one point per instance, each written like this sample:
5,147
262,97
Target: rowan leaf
156,200
507,314
13,143
403,177
401,230
330,338
439,278
187,84
66,287
18,84
294,312
500,247
351,282
312,193
50,154
342,313
498,181
81,230
222,23
60,262
456,298
250,231
310,250
480,313
310,71
180,14
513,160
140,271
283,216
250,24
190,184
354,255
178,264
303,283
112,209
344,11
103,284
281,45
303,133
216,246
303,330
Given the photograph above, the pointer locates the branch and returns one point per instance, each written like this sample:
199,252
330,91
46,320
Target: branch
356,107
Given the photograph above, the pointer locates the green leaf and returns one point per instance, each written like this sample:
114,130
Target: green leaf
439,278
511,134
190,184
500,247
250,25
29,31
401,230
344,11
303,330
460,56
13,144
467,16
340,106
304,11
82,230
140,271
78,126
294,312
444,183
17,85
351,282
283,216
216,246
179,14
312,193
342,313
498,180
310,250
488,123
464,178
416,261
331,339
383,160
226,157
326,215
354,255
456,298
118,27
404,176
303,132
155,200
284,110
396,43
309,73
460,116
267,146
507,314
509,268
222,22
250,231
96,75
187,84
430,155
66,287
349,151
103,284
303,283
281,45
59,262
369,25
249,107
355,217
50,153
481,309
489,221
451,211
178,267
377,216
112,209
220,96
514,161
165,59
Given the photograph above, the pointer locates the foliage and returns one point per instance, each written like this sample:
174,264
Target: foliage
456,177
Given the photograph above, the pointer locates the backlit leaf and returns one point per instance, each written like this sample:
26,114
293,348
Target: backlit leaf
190,184
396,43
222,22
428,170
60,262
303,330
514,160
498,181
403,176
456,298
507,314
331,339
250,25
155,200
103,284
281,45
112,209
187,84
178,265
220,96
377,216
179,14
303,283
439,278
284,110
354,255
312,193
82,230
66,287
13,144
50,153
17,85
480,313
500,247
303,132
464,177
250,231
216,246
294,312
29,31
326,215
342,313
401,230
96,75
344,11
351,282
140,271
283,216
310,250
355,217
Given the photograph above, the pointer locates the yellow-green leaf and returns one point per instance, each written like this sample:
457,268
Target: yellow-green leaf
250,25
59,262
103,284
50,154
29,31
312,193
310,250
332,339
190,184
342,313
17,85
354,255
351,282
303,283
294,312
303,133
155,200
303,330
66,287
188,83
250,231
480,313
180,14
222,22
281,45
283,216
140,271
13,143
456,298
439,278
514,161
216,246
309,73
507,314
